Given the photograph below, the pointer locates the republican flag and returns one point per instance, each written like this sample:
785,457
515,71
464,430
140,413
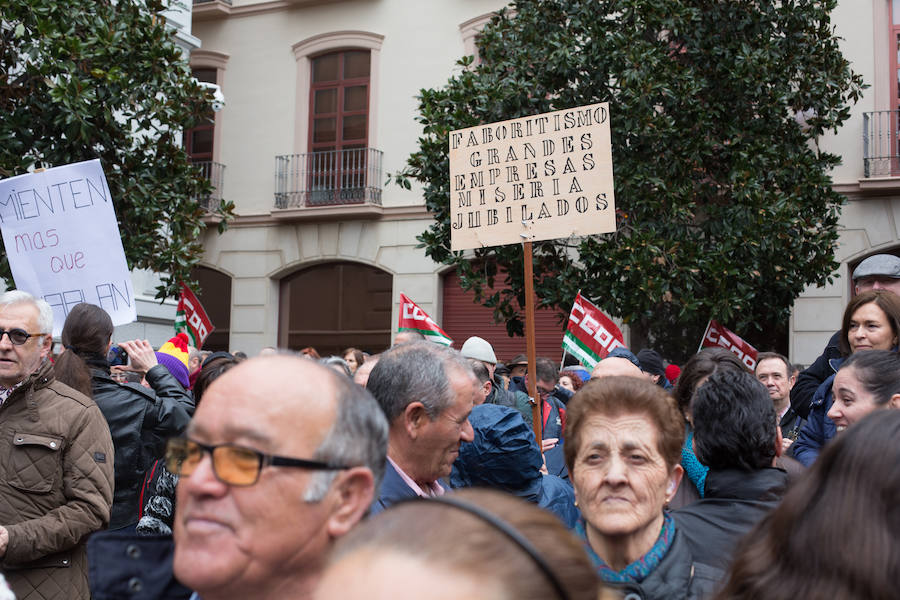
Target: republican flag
413,318
191,318
590,335
717,336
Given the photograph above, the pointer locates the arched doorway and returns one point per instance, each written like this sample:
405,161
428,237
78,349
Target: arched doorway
214,292
335,305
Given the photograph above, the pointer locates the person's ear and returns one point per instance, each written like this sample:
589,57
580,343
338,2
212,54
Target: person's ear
46,346
894,402
674,481
352,493
414,418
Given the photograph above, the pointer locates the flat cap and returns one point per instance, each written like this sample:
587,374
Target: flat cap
479,349
882,265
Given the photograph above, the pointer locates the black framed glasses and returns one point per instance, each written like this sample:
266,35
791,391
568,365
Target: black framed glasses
18,336
231,464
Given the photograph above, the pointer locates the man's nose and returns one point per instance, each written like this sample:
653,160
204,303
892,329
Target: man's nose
467,434
5,341
203,481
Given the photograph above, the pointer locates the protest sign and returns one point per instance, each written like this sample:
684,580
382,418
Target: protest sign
191,319
717,336
61,236
590,335
413,318
541,177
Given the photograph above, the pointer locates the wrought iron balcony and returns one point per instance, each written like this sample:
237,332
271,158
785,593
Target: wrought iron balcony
215,173
328,178
881,153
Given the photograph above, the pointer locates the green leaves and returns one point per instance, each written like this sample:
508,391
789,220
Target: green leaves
725,209
101,79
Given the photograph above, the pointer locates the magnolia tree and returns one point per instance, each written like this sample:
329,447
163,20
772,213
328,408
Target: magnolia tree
725,207
86,79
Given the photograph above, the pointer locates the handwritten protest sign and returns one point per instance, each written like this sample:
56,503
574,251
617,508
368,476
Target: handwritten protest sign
61,237
534,178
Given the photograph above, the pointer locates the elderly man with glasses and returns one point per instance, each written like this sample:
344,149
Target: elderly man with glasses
282,458
56,461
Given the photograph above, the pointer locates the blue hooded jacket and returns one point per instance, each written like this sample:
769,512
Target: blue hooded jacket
505,456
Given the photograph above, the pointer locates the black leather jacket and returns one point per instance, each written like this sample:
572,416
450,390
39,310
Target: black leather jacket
140,421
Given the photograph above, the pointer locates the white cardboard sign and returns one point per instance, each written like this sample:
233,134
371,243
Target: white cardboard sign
533,178
61,236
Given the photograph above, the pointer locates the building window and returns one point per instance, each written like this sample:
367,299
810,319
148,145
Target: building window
198,141
339,122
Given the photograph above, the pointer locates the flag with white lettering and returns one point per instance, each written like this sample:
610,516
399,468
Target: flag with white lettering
717,336
413,318
191,318
590,335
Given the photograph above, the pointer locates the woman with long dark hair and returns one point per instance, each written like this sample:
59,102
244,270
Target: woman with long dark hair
140,419
871,322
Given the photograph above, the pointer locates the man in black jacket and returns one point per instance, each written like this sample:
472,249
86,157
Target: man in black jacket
878,272
736,436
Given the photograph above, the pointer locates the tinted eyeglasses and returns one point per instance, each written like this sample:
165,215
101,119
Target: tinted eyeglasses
232,464
18,336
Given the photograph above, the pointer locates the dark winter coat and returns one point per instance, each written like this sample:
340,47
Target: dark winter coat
140,421
553,410
733,503
124,565
678,577
56,486
505,456
813,376
818,429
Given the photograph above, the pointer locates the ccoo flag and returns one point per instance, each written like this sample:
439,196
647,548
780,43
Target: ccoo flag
413,318
191,318
718,336
590,335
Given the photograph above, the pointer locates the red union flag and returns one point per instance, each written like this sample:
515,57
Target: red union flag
717,336
191,318
591,335
413,318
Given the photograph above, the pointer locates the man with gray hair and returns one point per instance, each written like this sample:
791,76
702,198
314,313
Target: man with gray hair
56,461
427,392
282,457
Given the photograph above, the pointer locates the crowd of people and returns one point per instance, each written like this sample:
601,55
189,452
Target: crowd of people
129,472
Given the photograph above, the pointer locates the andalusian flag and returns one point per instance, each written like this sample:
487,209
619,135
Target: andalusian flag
413,318
191,318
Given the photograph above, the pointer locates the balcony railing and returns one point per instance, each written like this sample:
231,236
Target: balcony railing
215,173
328,178
881,154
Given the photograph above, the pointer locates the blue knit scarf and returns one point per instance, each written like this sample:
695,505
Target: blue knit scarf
695,470
639,569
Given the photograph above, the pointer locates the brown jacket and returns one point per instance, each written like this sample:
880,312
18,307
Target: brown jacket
56,486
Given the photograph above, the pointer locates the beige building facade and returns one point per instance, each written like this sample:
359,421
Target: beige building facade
320,107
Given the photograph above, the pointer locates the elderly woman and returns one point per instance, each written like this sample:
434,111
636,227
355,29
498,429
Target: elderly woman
871,322
624,438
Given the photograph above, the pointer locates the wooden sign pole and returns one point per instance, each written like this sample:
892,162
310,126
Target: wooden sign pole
536,416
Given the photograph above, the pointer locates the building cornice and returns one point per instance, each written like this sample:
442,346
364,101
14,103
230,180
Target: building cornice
223,9
366,212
